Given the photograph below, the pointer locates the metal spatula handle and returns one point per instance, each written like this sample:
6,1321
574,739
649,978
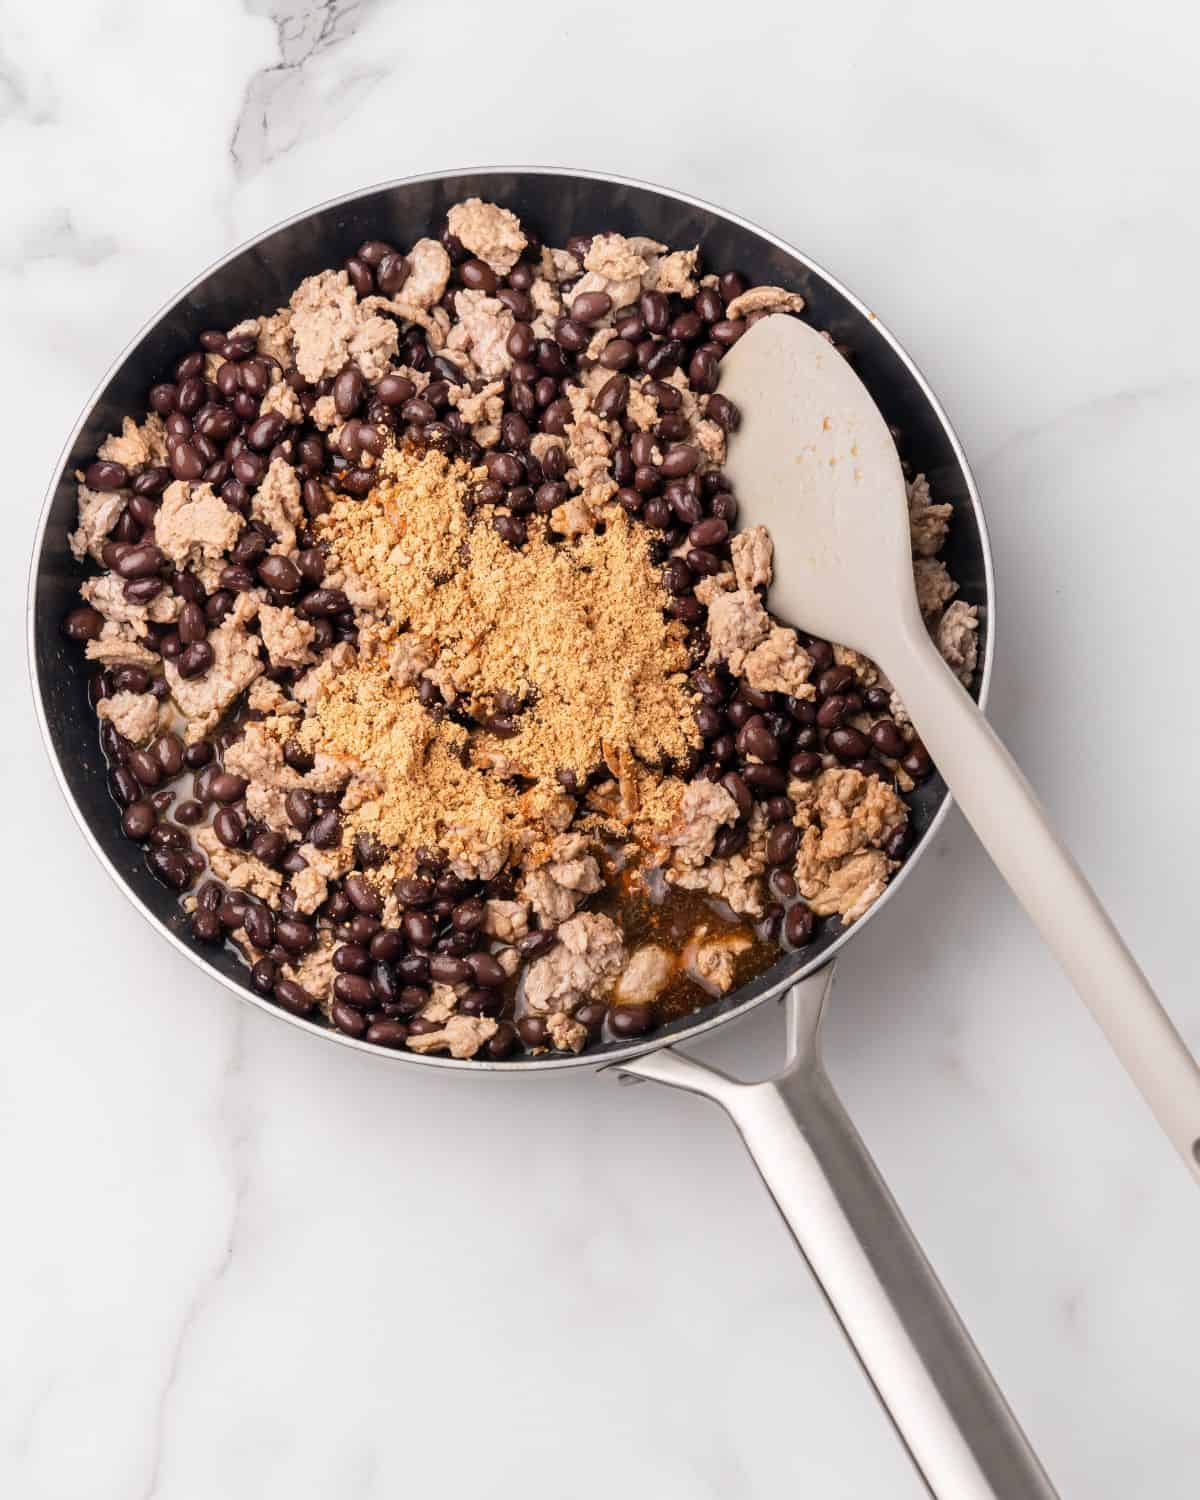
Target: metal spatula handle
1011,823
933,1383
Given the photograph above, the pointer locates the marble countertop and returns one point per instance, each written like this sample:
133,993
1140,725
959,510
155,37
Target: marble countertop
236,1263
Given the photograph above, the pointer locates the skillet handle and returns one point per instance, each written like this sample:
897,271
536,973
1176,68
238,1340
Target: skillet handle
926,1371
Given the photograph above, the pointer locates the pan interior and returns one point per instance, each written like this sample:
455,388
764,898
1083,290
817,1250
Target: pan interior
260,276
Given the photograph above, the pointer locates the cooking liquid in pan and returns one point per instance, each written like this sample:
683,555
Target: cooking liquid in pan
648,911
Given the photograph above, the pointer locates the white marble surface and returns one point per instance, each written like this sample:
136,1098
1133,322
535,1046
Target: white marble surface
236,1263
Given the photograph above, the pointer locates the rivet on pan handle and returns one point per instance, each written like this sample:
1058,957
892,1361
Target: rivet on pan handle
933,1383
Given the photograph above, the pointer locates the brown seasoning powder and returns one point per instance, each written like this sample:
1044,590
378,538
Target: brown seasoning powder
574,629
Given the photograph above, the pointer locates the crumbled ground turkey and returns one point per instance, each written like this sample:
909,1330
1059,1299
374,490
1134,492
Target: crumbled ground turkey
433,671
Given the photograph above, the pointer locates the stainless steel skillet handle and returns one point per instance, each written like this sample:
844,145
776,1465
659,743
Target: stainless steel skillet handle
927,1372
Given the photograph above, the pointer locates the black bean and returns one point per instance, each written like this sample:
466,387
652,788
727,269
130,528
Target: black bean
680,460
145,767
388,1034
413,891
665,358
362,928
345,1016
445,969
618,354
419,928
798,926
723,412
782,843
703,371
917,762
502,1041
165,836
477,276
754,738
384,987
468,916
728,330
387,944
556,416
740,793
709,533
831,713
765,781
514,431
887,739
169,867
486,970
590,307
392,273
520,304
229,827
225,786
192,624
280,573
326,832
139,819
186,461
549,497
612,397
105,474
631,1020
361,277
413,969
353,989
351,958
848,744
259,925
532,1031
206,927
298,804
730,841
197,755
293,997
294,934
263,976
266,431
139,562
324,602
195,660
83,624
348,391
804,766
363,895
709,304
268,847
481,1002
549,356
655,311
168,752
143,590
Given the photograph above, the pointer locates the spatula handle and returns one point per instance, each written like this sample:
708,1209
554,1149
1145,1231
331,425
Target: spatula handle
1012,825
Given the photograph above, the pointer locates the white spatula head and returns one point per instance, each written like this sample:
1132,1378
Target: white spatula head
814,462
